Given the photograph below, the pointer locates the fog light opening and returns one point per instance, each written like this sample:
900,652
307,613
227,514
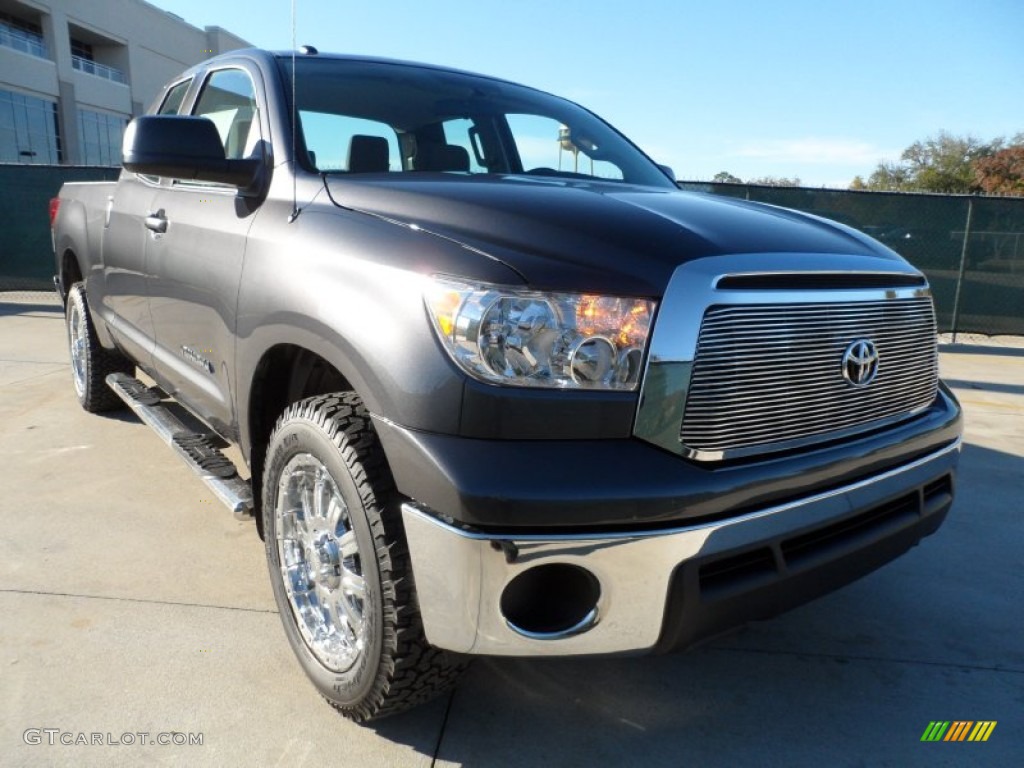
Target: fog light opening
551,601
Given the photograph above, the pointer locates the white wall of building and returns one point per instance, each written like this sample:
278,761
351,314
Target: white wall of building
136,48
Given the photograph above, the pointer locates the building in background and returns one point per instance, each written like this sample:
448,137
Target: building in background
74,72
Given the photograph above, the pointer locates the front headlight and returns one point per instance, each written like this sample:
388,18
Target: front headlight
531,339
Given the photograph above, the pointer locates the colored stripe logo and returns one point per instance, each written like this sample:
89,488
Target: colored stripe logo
958,730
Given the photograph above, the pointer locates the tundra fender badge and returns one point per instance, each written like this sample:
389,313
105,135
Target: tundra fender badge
198,360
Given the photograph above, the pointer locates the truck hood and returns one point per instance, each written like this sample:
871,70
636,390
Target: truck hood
592,236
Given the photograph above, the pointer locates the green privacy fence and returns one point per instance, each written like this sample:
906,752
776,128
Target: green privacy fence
26,254
970,247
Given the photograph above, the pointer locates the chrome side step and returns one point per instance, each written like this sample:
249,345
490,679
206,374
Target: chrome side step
196,450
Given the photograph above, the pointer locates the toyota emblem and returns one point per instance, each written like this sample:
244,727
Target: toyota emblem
860,363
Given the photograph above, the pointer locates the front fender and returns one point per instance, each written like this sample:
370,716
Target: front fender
349,288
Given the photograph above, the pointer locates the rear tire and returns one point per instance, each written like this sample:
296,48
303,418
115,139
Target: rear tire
339,563
91,363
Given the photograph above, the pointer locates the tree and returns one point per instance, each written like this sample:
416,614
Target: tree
775,181
941,163
890,177
1002,173
724,177
945,163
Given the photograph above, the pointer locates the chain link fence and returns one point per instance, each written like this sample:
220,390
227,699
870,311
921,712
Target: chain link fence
970,247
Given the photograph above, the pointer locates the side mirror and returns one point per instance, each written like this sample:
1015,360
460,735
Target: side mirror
667,170
183,147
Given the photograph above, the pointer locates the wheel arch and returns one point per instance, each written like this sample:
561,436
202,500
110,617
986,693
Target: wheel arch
70,229
284,374
70,272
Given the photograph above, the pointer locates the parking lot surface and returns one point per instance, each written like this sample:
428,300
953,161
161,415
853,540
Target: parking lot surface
133,603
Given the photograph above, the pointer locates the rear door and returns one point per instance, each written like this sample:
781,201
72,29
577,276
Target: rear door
123,295
195,256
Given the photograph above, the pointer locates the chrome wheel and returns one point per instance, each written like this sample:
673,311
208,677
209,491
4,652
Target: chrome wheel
321,565
78,335
339,562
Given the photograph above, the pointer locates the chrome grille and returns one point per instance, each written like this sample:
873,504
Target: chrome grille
769,376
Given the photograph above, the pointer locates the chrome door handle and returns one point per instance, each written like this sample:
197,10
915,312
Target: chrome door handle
156,221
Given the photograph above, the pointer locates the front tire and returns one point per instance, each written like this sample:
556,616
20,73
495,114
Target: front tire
339,563
91,363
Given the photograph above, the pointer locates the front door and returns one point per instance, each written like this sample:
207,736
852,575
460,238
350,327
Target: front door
195,256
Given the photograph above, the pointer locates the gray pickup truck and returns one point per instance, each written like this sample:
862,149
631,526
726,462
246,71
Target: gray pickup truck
499,386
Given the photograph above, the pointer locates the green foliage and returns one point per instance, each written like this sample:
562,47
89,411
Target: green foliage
775,181
724,177
945,163
891,177
951,165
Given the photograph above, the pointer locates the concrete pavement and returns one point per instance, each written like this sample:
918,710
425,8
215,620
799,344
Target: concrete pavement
132,602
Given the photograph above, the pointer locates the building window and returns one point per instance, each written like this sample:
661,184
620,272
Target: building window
81,50
22,35
28,129
99,137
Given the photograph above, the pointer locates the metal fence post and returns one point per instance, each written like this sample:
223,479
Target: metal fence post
963,268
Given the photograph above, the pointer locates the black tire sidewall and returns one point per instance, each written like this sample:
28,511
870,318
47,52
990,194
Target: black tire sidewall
296,436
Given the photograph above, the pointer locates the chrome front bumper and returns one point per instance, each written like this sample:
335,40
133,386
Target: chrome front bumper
749,566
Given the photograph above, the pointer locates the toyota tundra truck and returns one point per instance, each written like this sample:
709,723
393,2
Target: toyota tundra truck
499,387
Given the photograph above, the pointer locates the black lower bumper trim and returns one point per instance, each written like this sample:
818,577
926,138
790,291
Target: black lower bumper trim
708,597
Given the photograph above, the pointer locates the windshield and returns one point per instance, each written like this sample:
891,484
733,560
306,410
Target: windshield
378,117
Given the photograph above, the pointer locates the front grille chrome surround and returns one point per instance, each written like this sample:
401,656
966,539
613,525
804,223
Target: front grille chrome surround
769,377
746,362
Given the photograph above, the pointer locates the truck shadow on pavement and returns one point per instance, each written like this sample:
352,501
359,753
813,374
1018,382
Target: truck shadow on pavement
43,310
988,386
982,349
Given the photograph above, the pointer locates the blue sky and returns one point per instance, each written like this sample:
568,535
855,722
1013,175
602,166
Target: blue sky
821,90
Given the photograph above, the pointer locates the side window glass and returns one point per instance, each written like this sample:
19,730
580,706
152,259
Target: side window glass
345,143
229,100
176,95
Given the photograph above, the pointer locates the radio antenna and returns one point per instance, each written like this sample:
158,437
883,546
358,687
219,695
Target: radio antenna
295,119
